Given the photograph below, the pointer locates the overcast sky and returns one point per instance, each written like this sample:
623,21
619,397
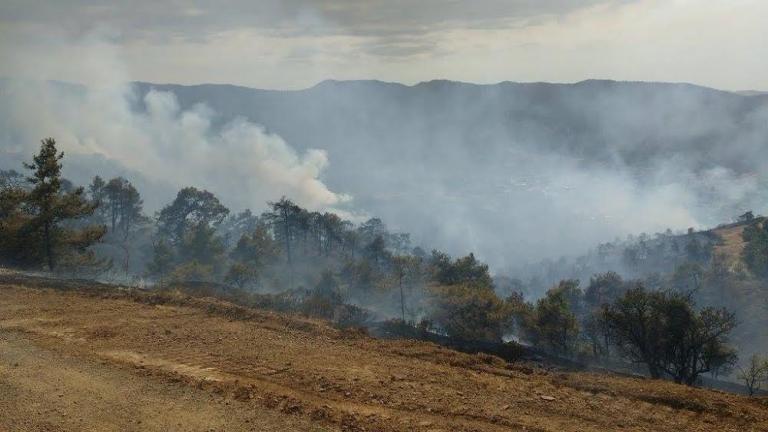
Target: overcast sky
297,43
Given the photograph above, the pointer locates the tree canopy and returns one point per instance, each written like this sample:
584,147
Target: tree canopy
37,220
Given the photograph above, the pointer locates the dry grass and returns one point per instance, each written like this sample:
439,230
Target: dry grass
731,244
303,368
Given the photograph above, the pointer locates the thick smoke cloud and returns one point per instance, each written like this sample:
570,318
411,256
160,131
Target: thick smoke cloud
165,146
514,173
521,172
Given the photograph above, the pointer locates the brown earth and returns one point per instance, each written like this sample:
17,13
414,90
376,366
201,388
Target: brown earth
731,243
109,359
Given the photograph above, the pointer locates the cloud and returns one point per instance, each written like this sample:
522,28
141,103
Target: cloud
297,43
145,18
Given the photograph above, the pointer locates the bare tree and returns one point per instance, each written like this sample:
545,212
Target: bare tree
754,373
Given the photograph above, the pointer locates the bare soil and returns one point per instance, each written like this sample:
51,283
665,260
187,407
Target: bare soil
94,358
732,243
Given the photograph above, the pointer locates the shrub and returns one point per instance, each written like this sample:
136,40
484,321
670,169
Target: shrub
469,311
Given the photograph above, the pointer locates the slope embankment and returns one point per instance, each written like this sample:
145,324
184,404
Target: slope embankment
78,357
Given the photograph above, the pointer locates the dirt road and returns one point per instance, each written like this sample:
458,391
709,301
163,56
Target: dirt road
75,361
46,391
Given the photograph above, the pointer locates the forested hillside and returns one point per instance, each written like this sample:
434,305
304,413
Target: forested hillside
682,307
462,147
351,216
515,172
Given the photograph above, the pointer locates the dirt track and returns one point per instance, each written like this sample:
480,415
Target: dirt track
46,391
74,361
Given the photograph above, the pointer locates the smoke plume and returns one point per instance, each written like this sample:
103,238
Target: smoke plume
166,146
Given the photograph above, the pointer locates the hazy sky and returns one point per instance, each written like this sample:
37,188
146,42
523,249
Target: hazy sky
296,43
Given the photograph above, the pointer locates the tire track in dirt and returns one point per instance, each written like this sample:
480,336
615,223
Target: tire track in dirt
304,369
47,390
246,386
248,382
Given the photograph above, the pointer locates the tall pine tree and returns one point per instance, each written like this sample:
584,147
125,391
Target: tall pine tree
50,206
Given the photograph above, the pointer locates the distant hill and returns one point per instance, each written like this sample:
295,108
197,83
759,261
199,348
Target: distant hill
603,122
751,93
513,150
517,171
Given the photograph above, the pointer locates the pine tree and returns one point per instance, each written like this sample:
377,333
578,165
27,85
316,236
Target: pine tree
98,197
284,217
51,205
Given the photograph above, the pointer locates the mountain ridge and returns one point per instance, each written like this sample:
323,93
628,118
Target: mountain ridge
331,81
576,163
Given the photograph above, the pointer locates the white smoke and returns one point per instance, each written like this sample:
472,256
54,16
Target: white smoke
240,162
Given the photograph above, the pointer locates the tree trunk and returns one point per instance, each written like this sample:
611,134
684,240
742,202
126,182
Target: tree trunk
48,247
114,215
402,298
127,261
287,234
